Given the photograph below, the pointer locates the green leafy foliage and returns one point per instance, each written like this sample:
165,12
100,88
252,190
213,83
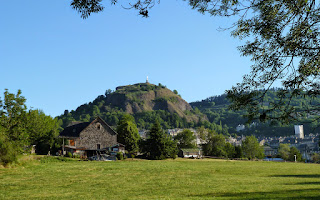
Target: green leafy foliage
120,156
186,139
215,146
284,151
19,128
8,153
295,154
128,133
316,158
251,148
230,151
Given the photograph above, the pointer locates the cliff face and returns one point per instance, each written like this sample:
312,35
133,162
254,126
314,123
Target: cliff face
143,97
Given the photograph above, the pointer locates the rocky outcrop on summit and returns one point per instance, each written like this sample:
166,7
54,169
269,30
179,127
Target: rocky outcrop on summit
144,97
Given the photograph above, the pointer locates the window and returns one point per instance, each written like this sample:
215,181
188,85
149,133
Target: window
72,143
99,126
98,146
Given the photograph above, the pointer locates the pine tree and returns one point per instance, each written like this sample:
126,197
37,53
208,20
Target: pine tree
159,146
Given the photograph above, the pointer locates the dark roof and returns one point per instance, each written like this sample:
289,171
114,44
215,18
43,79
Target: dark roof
74,130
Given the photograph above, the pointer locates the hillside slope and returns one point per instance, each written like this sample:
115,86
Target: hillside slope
146,102
144,97
217,111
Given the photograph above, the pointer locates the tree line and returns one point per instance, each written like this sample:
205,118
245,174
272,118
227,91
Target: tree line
20,128
159,145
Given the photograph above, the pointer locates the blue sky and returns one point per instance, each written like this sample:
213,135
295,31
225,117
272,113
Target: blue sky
61,61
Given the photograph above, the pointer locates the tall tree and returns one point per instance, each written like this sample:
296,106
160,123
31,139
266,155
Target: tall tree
128,133
251,148
186,139
42,131
159,145
13,117
215,146
20,128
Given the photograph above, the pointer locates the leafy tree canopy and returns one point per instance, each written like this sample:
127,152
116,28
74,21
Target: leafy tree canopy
284,151
186,139
295,155
215,146
251,148
20,128
128,133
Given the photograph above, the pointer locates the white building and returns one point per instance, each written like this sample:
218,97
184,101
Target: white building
298,131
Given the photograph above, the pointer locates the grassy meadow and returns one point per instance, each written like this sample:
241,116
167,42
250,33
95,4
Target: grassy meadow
169,179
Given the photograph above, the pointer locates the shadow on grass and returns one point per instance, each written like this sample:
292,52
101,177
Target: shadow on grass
305,183
284,194
299,176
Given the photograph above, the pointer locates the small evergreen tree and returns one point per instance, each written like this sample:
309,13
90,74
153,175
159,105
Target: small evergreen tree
159,145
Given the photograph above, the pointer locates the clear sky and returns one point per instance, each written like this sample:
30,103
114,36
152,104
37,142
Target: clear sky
61,61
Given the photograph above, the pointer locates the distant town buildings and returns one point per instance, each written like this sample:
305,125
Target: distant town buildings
306,144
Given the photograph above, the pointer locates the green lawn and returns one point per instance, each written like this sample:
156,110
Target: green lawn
170,179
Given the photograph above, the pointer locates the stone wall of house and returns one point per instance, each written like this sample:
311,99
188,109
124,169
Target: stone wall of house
97,133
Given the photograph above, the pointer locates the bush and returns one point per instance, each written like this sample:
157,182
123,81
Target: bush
69,154
76,156
119,156
131,155
7,152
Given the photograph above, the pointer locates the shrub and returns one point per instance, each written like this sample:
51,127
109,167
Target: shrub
7,151
69,154
119,156
76,156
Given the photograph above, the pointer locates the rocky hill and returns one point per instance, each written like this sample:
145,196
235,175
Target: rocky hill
144,97
144,101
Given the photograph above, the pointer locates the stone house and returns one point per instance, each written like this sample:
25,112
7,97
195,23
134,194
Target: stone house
89,138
